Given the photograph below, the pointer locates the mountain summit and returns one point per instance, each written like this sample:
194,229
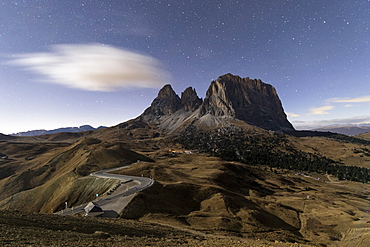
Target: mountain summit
228,98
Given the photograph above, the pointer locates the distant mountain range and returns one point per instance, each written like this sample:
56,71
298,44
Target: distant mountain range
346,130
59,130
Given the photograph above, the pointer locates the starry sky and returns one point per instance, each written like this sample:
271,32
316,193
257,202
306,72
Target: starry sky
74,62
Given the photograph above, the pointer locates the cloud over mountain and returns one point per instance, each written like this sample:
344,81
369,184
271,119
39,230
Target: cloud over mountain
94,67
360,99
358,120
320,110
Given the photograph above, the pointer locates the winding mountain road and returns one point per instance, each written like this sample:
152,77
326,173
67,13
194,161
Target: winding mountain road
113,203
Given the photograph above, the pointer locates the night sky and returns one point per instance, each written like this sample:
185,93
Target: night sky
68,63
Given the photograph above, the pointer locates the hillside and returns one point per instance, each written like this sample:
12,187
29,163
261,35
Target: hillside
54,171
365,136
209,195
22,229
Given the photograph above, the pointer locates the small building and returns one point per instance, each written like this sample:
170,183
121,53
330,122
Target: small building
93,209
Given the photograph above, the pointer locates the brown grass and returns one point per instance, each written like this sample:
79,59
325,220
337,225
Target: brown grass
338,151
193,192
233,199
54,170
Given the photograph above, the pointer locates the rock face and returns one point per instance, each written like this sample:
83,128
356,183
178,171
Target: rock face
190,100
251,101
228,97
166,103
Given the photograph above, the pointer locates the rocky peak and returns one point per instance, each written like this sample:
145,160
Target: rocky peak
252,101
166,103
167,92
229,97
190,100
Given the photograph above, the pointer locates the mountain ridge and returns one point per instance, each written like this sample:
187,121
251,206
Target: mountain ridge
346,130
229,97
58,130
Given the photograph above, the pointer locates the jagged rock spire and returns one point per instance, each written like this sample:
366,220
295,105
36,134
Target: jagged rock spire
190,100
166,103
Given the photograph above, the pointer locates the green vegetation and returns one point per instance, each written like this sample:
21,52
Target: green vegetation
272,149
364,151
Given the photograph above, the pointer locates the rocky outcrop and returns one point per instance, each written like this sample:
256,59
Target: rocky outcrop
228,97
251,101
190,100
166,103
169,110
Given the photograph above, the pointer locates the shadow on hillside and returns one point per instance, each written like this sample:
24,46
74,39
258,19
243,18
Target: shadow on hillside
310,133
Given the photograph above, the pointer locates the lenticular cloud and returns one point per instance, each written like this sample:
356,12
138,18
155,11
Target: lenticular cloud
95,67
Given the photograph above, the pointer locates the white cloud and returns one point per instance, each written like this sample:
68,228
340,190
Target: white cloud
358,120
292,114
320,110
95,67
365,98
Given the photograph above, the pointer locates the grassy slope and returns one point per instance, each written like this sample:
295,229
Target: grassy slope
52,195
45,182
22,229
338,151
206,194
